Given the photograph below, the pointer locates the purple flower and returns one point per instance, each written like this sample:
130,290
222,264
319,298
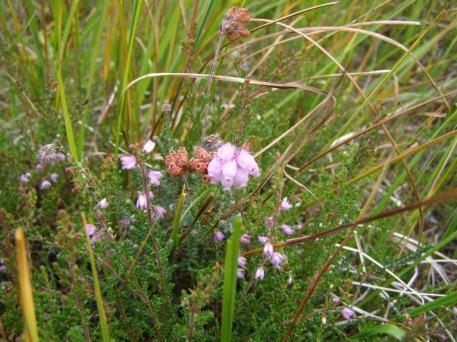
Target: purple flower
24,178
218,235
90,229
39,167
259,273
240,273
215,169
229,169
227,183
241,179
277,259
53,177
226,152
154,177
48,155
285,204
142,201
245,239
128,162
286,229
263,239
149,146
159,211
45,184
268,249
92,232
298,227
242,261
347,313
103,204
335,300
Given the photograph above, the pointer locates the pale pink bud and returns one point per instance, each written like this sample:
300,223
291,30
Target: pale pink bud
24,178
90,229
142,201
286,229
214,168
268,249
227,183
218,235
263,239
149,146
229,169
245,159
259,274
245,239
159,211
277,259
347,313
226,152
241,179
242,261
240,273
285,204
128,162
45,184
154,177
335,300
53,177
103,204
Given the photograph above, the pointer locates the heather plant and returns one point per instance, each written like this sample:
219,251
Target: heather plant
233,170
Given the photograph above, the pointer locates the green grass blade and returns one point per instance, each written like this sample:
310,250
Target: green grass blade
231,264
385,329
448,301
98,294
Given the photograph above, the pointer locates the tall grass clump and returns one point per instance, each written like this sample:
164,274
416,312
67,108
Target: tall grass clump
233,170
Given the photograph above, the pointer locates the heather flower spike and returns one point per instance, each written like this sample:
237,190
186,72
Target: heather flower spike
128,162
149,146
231,167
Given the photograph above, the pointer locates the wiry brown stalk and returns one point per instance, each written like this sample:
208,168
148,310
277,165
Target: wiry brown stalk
437,199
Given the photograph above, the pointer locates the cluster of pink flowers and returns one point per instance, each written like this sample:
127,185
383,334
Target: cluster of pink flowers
47,156
129,162
231,167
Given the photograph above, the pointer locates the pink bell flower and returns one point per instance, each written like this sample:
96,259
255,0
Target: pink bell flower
259,273
154,177
149,146
128,162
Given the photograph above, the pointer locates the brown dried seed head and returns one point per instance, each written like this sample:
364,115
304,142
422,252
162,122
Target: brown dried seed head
177,162
233,23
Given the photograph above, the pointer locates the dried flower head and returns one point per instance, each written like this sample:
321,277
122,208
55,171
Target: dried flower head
233,23
177,162
199,163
